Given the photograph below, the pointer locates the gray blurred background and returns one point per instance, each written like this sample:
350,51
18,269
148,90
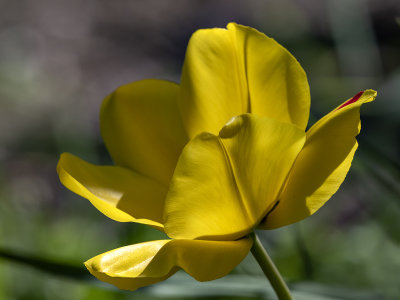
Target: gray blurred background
59,59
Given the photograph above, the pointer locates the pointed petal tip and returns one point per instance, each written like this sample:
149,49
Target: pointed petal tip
89,266
362,96
323,163
369,95
232,25
116,192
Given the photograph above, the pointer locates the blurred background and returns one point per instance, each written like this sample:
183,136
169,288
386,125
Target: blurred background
59,59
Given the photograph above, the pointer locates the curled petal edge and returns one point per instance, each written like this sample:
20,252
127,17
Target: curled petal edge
135,266
321,165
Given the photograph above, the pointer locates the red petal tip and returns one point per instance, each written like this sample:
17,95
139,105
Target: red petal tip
352,100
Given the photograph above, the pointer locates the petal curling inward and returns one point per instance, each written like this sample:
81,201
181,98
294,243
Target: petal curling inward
203,199
321,165
119,193
262,152
223,186
229,72
142,128
139,265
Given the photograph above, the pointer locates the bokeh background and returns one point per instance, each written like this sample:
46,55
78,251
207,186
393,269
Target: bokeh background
59,59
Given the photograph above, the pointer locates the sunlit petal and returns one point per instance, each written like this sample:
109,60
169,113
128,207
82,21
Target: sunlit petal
322,165
262,152
134,266
223,186
228,72
119,193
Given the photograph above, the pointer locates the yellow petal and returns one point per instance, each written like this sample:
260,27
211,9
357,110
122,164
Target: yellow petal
223,187
135,266
142,128
119,193
262,152
203,201
322,164
228,72
277,84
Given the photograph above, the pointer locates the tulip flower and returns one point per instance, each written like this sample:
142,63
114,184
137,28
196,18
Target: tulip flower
209,160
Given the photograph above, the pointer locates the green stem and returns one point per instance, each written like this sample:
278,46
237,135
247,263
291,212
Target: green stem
270,270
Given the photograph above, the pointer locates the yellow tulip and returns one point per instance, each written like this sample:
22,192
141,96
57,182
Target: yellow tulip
211,159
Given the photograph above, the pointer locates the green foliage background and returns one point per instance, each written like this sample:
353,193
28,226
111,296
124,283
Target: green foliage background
59,59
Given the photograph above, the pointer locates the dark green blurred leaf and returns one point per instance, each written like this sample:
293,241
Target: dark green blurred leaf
53,267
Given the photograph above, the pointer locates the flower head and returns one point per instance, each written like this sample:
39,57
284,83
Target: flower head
212,158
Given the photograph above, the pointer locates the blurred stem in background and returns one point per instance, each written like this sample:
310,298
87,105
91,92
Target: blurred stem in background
307,263
354,39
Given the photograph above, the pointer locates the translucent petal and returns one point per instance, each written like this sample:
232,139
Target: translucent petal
134,266
322,164
142,128
119,193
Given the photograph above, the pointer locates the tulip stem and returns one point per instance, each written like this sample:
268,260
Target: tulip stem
269,269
